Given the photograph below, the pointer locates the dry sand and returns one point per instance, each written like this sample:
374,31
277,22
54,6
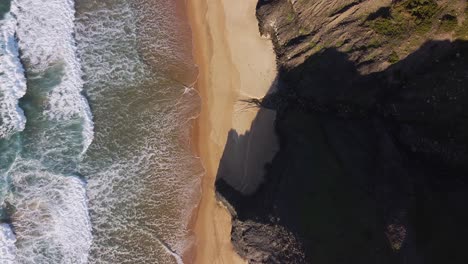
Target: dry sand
235,63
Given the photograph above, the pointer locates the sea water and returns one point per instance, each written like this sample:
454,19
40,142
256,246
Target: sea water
95,115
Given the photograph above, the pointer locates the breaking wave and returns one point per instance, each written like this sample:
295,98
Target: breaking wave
42,195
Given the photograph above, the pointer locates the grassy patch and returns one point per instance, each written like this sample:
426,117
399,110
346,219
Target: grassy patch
388,26
393,58
404,17
423,28
422,10
448,23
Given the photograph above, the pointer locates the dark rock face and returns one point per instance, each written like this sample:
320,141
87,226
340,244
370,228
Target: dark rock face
266,243
373,159
371,168
374,34
300,29
257,234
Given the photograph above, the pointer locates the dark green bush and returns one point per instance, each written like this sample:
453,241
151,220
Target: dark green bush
421,9
404,16
388,26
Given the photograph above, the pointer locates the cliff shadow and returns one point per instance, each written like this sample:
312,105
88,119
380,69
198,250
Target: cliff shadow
371,168
243,159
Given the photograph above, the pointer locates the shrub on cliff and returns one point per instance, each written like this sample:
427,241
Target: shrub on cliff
421,9
403,17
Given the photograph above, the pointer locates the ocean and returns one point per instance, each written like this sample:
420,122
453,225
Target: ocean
96,109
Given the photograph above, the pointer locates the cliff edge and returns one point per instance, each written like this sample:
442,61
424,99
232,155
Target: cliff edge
371,117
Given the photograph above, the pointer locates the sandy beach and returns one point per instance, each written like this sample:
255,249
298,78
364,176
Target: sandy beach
235,63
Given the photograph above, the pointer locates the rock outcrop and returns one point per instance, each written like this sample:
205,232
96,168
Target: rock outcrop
373,136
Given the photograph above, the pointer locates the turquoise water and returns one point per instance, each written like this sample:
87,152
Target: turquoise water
95,115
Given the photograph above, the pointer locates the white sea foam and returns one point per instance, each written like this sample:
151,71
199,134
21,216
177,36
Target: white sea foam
12,80
143,191
142,184
51,218
45,32
164,39
7,245
107,42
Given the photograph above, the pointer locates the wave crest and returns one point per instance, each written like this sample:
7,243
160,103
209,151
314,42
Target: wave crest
12,80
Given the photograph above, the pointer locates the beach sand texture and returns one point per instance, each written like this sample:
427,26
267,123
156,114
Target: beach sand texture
235,63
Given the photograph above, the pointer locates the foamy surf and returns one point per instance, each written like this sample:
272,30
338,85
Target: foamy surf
142,177
45,32
51,216
12,80
7,245
107,41
39,176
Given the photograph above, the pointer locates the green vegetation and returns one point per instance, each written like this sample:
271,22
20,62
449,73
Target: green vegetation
422,10
389,26
393,58
4,8
423,27
448,23
404,17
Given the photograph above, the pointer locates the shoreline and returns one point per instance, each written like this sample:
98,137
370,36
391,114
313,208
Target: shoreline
234,62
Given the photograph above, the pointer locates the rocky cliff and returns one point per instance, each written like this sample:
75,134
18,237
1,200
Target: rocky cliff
373,127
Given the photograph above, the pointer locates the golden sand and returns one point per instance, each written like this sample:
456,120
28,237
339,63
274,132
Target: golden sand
234,63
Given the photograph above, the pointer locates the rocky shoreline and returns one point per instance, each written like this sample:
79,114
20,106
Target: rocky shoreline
373,153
